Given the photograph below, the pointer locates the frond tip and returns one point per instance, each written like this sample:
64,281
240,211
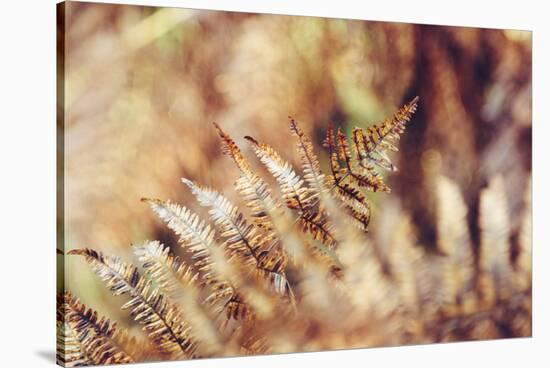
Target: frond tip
372,146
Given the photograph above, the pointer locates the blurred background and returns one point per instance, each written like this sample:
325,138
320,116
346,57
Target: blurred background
144,84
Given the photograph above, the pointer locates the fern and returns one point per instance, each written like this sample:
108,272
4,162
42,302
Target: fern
307,259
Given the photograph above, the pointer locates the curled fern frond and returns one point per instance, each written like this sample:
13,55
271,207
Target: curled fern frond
160,318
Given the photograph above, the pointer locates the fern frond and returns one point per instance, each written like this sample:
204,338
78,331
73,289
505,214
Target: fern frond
243,241
363,176
254,190
296,195
196,235
161,319
98,338
171,275
310,164
177,280
71,352
371,147
318,226
207,256
258,198
494,259
354,201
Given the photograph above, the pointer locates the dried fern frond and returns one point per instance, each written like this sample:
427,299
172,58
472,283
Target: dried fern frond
196,235
178,281
296,195
208,258
71,352
243,241
258,198
161,319
351,197
310,164
371,146
361,175
86,338
254,190
171,275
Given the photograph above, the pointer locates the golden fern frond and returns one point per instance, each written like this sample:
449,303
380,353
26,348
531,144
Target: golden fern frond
178,281
371,147
318,226
351,197
196,235
364,177
494,259
296,195
258,198
453,239
88,339
243,241
254,190
71,352
171,275
207,257
310,164
161,319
